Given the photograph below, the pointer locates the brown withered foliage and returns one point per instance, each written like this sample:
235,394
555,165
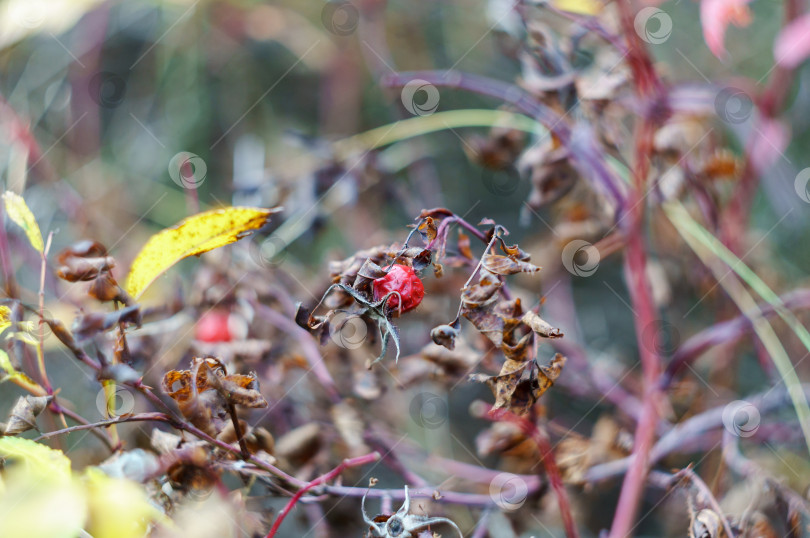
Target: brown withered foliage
205,391
88,261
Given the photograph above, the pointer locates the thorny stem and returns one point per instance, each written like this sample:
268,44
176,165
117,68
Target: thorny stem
345,464
56,408
547,455
141,417
449,497
184,426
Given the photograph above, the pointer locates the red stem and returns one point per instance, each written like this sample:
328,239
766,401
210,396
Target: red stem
648,89
345,464
544,445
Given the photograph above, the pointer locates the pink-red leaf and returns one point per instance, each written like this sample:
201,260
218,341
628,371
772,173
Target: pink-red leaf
716,15
792,45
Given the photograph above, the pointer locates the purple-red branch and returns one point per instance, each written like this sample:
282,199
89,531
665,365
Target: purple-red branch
345,464
546,453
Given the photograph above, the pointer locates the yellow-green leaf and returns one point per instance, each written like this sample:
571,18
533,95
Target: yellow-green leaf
5,318
37,458
118,508
8,373
36,505
193,236
584,7
18,211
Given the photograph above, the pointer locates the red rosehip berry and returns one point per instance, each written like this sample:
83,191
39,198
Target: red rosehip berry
213,326
402,279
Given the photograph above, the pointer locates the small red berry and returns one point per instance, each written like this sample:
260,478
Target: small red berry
402,279
213,326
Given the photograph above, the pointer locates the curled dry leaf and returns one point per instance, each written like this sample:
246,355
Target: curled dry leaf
87,261
204,393
91,324
540,326
428,229
506,265
23,416
83,261
519,384
707,524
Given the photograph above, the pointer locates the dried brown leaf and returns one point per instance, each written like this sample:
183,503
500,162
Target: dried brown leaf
23,416
504,265
540,326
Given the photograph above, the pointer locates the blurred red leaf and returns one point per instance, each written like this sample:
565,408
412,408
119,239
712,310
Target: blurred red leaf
792,45
716,15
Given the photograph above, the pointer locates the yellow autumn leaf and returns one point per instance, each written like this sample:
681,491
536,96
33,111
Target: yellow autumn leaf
40,498
18,211
193,236
8,373
5,318
118,507
41,482
36,458
583,7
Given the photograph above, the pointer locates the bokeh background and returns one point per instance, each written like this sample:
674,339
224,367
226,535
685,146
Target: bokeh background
102,103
